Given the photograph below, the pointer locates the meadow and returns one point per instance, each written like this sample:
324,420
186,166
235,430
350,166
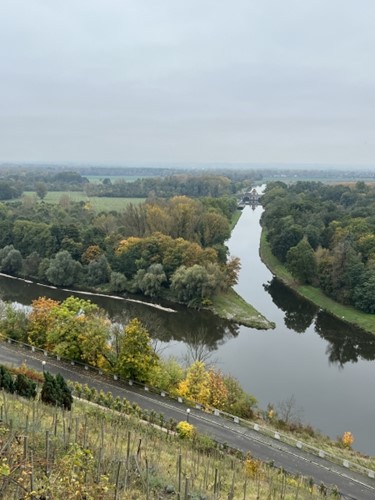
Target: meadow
99,204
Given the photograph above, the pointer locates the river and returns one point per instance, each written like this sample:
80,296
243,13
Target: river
326,366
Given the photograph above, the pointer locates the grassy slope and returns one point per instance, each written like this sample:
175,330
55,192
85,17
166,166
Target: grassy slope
230,305
315,295
112,437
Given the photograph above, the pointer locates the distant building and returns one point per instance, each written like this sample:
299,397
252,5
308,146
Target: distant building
249,198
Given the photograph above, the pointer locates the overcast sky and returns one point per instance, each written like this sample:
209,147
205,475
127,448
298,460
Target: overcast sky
289,81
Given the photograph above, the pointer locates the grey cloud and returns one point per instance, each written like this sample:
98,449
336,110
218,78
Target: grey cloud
158,80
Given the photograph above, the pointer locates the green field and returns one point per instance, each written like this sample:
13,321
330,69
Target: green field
99,204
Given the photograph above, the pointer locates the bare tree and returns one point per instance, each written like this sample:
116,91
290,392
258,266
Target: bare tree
289,411
198,348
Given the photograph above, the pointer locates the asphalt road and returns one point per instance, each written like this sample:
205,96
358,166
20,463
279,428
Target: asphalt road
294,460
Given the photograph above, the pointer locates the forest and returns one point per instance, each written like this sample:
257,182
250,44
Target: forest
172,247
325,235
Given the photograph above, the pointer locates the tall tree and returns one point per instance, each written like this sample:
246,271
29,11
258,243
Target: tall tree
136,357
63,269
41,189
41,320
302,263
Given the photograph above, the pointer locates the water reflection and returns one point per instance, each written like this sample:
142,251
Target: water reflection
184,325
299,314
345,344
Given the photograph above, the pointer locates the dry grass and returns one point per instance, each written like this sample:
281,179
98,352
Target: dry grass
115,453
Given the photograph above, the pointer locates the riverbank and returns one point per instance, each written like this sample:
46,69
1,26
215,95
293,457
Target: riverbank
347,314
233,307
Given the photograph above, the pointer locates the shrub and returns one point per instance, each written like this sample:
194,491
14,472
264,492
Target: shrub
347,439
185,430
29,373
6,380
252,466
25,387
55,391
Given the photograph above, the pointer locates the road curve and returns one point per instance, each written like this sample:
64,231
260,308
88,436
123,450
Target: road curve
293,460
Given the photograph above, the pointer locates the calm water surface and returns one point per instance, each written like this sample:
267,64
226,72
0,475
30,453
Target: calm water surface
327,366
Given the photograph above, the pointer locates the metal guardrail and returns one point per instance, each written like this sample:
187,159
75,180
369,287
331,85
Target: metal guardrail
289,440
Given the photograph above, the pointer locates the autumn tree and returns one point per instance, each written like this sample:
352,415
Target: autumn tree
167,374
195,387
93,252
218,397
81,332
41,320
136,356
232,269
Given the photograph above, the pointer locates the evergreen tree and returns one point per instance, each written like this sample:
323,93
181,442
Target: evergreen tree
6,380
64,393
55,391
25,387
49,394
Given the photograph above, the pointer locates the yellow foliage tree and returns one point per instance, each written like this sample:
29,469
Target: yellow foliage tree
195,386
347,439
41,320
218,390
93,252
185,430
136,358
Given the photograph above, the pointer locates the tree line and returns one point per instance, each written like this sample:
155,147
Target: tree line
174,247
325,234
148,183
21,381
